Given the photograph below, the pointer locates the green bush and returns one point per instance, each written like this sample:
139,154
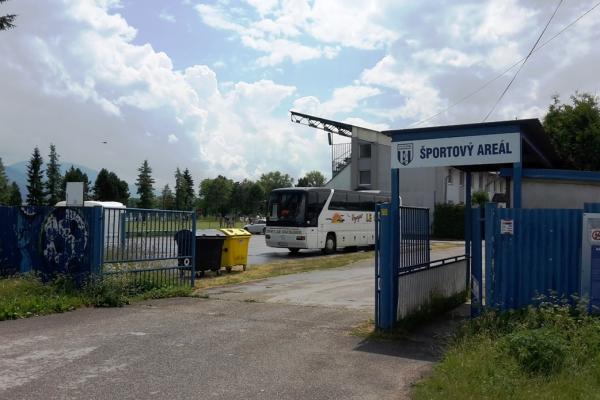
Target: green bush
449,221
107,292
548,351
537,351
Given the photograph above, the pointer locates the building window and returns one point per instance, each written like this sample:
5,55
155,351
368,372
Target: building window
450,176
461,178
481,181
364,178
364,150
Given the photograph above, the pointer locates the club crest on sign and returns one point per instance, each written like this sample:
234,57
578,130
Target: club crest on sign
405,153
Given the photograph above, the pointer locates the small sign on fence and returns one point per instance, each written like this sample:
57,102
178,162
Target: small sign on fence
507,227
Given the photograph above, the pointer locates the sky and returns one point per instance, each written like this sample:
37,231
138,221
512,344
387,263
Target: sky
208,85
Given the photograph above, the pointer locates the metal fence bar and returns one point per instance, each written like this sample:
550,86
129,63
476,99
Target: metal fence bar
144,245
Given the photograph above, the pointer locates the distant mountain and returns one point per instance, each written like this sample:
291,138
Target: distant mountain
17,172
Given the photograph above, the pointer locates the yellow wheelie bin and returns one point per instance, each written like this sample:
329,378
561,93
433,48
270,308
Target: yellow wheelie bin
235,248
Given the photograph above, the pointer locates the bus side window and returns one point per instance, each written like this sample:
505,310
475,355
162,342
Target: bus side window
353,202
338,201
367,202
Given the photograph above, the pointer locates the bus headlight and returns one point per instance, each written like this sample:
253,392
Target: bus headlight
300,237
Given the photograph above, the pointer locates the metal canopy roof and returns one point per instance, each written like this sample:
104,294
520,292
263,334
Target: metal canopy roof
537,151
327,125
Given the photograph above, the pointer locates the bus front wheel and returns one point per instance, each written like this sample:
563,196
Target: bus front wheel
330,245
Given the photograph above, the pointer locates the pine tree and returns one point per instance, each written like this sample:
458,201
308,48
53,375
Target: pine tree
144,186
179,190
4,186
167,200
53,177
188,188
35,186
15,198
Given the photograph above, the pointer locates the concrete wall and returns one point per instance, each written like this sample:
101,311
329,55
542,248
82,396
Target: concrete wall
342,180
558,194
378,164
416,289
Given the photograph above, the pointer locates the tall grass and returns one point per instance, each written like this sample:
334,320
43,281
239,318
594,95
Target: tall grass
547,352
27,296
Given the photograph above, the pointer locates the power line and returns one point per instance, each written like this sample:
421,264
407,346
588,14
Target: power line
507,70
524,62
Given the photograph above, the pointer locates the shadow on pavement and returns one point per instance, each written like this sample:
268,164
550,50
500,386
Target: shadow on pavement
426,342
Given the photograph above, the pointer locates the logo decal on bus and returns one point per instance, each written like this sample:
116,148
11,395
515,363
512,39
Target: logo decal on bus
337,218
405,153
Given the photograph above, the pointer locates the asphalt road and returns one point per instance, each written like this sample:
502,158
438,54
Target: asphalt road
281,338
205,349
260,253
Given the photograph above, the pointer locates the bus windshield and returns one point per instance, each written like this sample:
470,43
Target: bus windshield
286,208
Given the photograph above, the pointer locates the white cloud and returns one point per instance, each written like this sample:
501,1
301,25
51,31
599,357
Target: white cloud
126,90
165,16
446,56
421,98
283,30
343,100
366,124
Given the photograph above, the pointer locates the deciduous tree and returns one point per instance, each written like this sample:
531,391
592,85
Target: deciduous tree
7,21
76,175
312,179
574,130
108,187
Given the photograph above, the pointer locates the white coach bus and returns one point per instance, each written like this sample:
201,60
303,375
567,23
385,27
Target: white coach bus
321,218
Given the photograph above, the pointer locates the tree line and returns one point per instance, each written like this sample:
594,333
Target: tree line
218,196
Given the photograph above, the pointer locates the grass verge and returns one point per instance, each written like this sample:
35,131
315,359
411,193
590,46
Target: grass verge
548,352
263,271
27,296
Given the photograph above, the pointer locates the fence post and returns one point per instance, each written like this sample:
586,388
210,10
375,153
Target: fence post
97,240
476,273
387,316
193,263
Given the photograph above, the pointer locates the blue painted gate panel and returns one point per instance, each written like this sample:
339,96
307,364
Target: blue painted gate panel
542,255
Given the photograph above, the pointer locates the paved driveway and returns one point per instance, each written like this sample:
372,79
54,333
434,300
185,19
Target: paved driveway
253,342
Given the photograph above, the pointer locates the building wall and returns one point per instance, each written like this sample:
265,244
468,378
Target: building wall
558,193
342,180
377,166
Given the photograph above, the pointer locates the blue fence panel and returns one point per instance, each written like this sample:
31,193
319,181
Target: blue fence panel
48,240
541,255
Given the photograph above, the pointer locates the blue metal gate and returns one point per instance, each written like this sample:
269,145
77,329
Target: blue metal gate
151,246
406,279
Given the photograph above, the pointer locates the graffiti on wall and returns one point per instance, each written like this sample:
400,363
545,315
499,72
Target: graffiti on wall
47,240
